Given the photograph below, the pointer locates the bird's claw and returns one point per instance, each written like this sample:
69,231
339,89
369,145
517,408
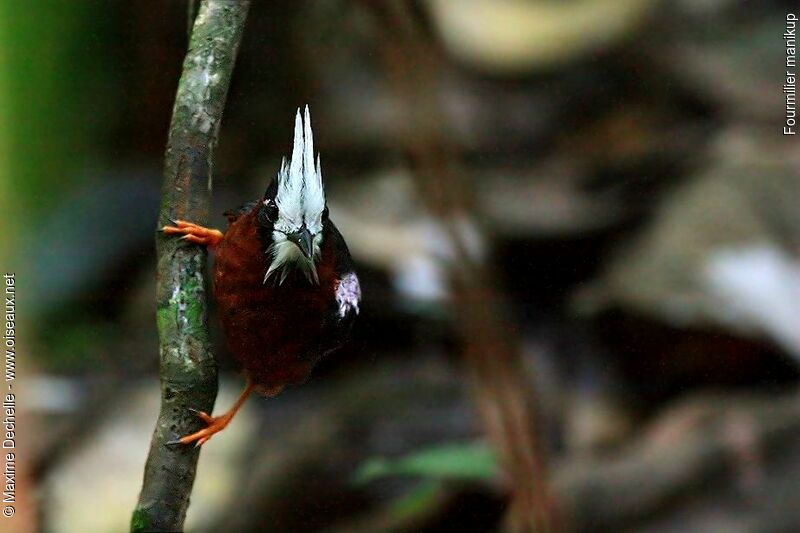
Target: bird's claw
214,424
173,221
193,233
202,415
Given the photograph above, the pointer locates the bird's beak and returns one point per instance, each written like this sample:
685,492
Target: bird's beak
303,240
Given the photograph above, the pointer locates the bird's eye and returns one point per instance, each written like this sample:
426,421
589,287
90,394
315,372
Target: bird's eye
325,212
268,212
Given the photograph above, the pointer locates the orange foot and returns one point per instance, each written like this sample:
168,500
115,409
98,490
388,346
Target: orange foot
215,423
194,233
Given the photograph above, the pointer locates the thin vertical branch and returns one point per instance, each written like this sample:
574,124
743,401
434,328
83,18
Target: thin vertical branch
188,369
492,353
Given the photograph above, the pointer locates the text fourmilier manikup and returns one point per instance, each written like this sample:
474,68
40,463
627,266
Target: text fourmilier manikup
790,87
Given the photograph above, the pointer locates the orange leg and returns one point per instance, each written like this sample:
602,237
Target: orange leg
215,423
194,233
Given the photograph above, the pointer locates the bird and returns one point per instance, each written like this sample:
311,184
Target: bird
284,282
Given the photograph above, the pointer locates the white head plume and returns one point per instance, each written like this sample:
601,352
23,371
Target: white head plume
300,197
301,202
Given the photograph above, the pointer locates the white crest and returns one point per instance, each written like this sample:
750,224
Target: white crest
300,200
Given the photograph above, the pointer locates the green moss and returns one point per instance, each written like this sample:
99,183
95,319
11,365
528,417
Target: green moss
165,320
139,521
194,314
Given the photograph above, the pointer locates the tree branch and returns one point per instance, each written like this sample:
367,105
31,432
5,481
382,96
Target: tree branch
188,369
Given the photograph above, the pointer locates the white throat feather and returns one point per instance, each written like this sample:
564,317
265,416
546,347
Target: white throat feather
285,256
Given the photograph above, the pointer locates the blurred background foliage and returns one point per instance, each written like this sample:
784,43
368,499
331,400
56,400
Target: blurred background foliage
641,210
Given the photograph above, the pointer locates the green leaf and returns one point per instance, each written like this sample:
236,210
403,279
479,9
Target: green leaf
472,461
